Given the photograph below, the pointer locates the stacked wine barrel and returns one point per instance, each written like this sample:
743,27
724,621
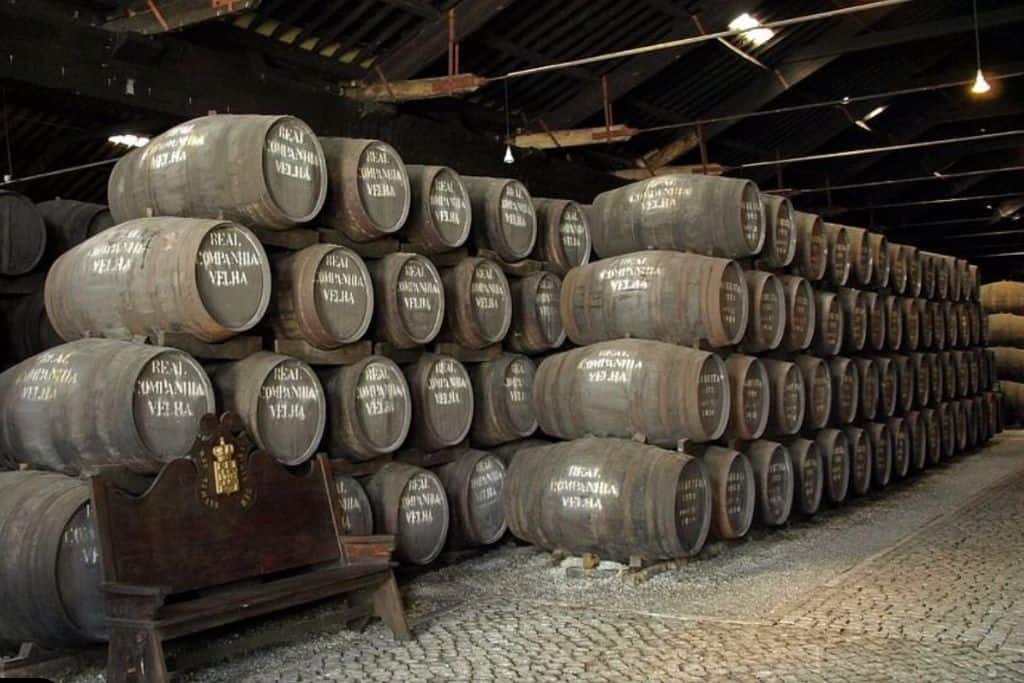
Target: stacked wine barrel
1003,306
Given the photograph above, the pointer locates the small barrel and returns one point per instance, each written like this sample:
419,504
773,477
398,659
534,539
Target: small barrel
355,505
938,318
880,252
368,192
894,323
69,223
861,256
834,447
477,303
410,504
508,451
881,453
749,397
579,497
947,429
536,314
563,234
767,319
900,446
780,233
96,402
409,299
22,234
870,380
262,171
925,325
817,390
917,436
888,386
442,401
368,409
709,215
502,395
911,324
322,295
504,219
845,389
855,319
773,481
1004,296
922,369
811,246
932,426
280,401
634,387
839,261
733,491
899,268
28,330
905,382
861,459
912,257
877,324
474,482
788,397
206,278
808,474
440,213
800,320
828,328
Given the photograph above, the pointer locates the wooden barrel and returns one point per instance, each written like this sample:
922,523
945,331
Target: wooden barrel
442,401
800,320
368,189
410,504
69,223
709,215
22,234
368,409
355,505
911,336
955,280
975,315
504,219
906,388
921,368
839,257
912,257
50,572
947,429
1005,296
828,328
408,300
27,329
877,324
931,427
440,214
949,375
974,277
845,389
834,447
96,402
817,391
880,253
773,481
962,373
280,401
474,483
881,453
733,491
477,303
322,295
861,459
938,318
855,319
927,275
894,323
749,397
888,386
633,387
899,268
502,400
951,324
780,233
811,246
808,475
563,234
788,397
508,451
940,275
926,327
900,446
637,295
870,381
578,497
536,314
861,256
767,320
207,278
960,424
262,171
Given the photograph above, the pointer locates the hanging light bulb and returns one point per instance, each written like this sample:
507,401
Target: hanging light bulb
509,159
980,86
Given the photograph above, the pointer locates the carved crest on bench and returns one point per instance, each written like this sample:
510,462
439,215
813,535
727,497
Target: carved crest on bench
221,456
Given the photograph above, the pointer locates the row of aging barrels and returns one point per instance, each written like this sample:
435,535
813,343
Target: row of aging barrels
32,234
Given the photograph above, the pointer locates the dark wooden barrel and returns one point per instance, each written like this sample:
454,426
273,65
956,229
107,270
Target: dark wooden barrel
536,314
69,223
888,386
50,572
27,329
22,234
767,320
280,401
503,391
894,323
963,377
900,446
917,437
773,481
408,301
369,411
974,316
709,215
855,319
960,424
869,386
834,447
861,255
877,324
442,401
839,256
1005,296
912,257
845,389
971,362
780,233
974,274
941,275
262,171
899,268
788,397
579,497
828,328
634,387
927,275
477,303
474,483
749,397
356,506
504,219
817,390
368,189
938,318
950,377
881,453
637,295
440,213
808,474
951,324
905,388
925,325
947,428
96,402
733,491
800,312
922,369
932,427
956,283
880,252
410,504
508,451
811,246
861,459
911,324
563,234
207,278
322,295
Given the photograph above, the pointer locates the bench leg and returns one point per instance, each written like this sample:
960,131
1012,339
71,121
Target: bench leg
135,655
387,604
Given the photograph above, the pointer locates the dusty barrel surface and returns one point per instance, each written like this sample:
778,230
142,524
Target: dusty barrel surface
369,411
280,401
368,190
780,233
733,491
870,381
503,391
634,387
355,505
817,390
951,324
207,278
409,503
96,402
839,258
474,483
894,323
477,303
936,379
749,397
322,294
921,367
877,324
563,234
828,328
504,219
959,412
637,295
808,474
50,572
442,401
28,330
938,318
767,320
912,257
507,452
900,446
861,459
855,319
409,299
941,275
263,171
536,314
22,234
911,324
835,456
440,213
924,321
773,481
906,388
899,268
949,375
862,257
69,223
917,437
947,428
845,389
811,246
888,385
880,252
707,215
800,313
932,427
881,453
577,496
1005,296
927,275
788,396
